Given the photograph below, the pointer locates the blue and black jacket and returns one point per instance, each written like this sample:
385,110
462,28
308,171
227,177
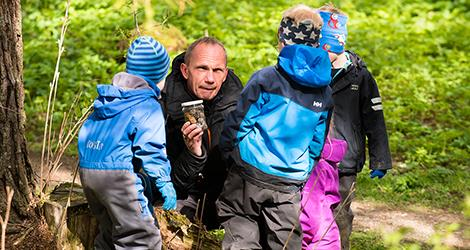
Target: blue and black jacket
126,131
276,134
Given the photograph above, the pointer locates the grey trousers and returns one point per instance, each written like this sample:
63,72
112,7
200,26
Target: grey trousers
344,218
258,218
117,201
188,206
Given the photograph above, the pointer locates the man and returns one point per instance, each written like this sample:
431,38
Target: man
358,113
274,139
198,170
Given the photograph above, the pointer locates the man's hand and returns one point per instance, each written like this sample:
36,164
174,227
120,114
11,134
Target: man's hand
377,173
192,135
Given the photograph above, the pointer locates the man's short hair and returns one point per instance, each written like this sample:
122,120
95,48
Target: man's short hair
330,7
203,40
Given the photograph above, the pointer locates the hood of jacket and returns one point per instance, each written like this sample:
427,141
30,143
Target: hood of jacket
127,91
176,91
308,66
334,150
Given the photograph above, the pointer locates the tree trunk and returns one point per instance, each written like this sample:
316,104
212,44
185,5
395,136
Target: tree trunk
15,168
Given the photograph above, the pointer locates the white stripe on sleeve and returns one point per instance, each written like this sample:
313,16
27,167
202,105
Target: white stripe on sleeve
377,107
376,100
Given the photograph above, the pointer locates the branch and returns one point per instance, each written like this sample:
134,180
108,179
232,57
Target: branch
51,99
4,222
340,208
301,209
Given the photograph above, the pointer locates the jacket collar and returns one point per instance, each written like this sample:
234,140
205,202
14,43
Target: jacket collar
346,77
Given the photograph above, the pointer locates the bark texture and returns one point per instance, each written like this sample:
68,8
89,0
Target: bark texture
15,168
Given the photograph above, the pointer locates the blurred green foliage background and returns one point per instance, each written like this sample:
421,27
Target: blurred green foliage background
417,51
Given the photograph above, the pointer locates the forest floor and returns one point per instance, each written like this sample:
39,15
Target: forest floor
422,223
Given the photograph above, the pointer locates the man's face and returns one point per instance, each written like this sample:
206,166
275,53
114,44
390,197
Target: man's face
206,70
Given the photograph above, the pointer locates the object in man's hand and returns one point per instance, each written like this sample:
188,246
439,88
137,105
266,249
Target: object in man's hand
194,113
189,117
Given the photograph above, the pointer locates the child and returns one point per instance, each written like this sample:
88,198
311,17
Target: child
358,113
320,196
124,134
274,138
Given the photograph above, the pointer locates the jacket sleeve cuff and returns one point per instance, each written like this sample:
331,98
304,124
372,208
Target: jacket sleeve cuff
199,159
380,166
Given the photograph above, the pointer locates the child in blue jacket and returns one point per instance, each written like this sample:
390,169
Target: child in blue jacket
274,138
124,134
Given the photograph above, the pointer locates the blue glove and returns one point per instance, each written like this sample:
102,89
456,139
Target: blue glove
169,196
377,173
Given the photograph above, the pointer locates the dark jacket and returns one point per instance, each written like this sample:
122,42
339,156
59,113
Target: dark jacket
191,174
358,113
276,134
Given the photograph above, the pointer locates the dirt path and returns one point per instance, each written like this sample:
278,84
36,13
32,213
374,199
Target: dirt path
423,222
368,215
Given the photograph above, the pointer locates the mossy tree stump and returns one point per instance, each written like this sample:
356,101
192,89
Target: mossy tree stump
81,227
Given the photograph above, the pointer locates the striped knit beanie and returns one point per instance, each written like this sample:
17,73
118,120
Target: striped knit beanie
148,59
334,32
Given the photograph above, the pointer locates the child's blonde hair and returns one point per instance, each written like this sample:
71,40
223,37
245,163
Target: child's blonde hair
330,7
301,13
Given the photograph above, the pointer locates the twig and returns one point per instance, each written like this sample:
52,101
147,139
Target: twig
301,210
61,132
10,109
65,122
64,213
134,6
51,99
174,236
23,236
340,207
4,222
55,164
197,206
199,241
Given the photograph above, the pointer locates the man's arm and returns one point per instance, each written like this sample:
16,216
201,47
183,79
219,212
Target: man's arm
186,164
186,167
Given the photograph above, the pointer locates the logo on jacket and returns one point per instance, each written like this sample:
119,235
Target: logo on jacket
96,145
317,104
354,87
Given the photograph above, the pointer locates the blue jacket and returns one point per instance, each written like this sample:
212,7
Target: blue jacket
126,131
277,132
